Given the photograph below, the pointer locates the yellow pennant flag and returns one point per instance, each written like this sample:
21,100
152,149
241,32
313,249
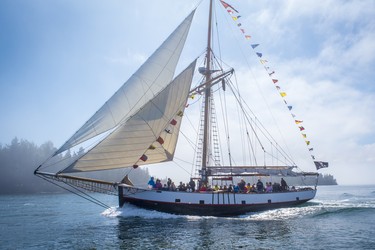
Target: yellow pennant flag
282,94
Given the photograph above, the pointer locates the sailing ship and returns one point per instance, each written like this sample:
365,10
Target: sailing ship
140,125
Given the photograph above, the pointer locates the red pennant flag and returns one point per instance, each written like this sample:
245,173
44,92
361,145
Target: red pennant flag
301,128
160,140
144,158
173,122
275,81
227,5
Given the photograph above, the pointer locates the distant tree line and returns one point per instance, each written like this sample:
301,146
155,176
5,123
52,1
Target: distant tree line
323,180
20,158
326,179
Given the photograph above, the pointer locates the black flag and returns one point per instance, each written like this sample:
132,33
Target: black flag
320,164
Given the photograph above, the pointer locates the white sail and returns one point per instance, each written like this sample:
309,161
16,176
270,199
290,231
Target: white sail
142,86
149,136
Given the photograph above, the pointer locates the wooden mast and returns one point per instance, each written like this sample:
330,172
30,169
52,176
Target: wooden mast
207,102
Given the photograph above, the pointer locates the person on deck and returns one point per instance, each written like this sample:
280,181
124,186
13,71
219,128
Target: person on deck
260,186
241,185
269,187
151,183
181,187
248,188
276,187
203,188
192,185
169,182
158,185
284,186
172,187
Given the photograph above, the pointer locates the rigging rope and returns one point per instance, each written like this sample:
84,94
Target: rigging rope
82,195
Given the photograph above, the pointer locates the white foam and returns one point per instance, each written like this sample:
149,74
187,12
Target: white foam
129,210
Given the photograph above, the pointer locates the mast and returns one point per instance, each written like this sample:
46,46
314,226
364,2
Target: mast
207,97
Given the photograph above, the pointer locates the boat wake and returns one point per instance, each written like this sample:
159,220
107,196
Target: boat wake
282,213
129,210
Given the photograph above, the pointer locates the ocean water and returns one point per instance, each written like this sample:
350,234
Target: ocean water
340,217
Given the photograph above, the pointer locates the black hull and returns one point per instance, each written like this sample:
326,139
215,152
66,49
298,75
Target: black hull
220,210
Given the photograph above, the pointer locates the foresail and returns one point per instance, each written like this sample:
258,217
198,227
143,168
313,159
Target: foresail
149,136
141,87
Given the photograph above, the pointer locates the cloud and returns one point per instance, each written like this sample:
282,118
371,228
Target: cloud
323,55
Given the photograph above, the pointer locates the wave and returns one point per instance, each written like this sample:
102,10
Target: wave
350,196
346,196
343,211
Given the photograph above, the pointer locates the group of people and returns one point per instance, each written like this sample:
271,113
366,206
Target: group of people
271,187
241,187
170,186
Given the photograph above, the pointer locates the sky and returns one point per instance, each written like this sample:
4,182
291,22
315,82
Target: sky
61,60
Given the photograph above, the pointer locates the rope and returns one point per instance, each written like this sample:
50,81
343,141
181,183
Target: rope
85,196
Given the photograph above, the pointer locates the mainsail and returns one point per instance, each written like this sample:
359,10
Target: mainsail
149,136
142,86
